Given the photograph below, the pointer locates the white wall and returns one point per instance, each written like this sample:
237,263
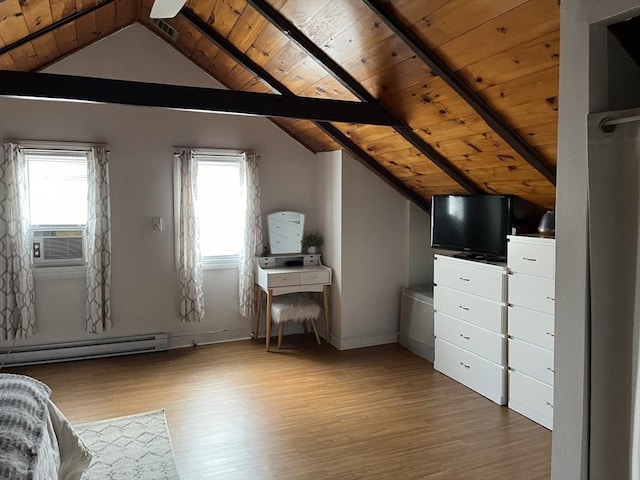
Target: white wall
141,140
330,224
583,89
375,221
371,265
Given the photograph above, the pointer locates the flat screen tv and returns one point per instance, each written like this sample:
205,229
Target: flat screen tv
474,225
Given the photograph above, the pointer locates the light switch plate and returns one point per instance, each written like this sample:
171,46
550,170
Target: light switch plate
156,224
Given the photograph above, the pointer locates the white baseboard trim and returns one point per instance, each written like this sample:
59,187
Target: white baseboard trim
364,341
208,338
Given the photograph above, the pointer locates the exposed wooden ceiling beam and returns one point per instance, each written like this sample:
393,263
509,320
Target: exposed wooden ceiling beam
332,67
124,92
497,123
350,146
55,25
299,38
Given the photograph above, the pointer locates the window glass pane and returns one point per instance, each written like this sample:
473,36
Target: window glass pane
57,189
219,208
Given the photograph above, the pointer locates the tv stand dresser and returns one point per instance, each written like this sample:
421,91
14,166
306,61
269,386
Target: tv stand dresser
470,324
495,324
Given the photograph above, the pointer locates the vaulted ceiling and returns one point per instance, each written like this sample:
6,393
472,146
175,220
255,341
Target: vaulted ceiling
473,83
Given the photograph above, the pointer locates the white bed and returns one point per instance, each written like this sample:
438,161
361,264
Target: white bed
36,441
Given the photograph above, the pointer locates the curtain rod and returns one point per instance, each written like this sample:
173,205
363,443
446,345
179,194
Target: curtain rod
608,125
210,151
57,145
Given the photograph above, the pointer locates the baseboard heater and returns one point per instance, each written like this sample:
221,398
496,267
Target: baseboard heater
82,350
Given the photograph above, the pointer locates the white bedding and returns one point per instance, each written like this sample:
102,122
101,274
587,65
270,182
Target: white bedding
74,456
36,440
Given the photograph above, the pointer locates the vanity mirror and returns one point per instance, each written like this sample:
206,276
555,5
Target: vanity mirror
285,232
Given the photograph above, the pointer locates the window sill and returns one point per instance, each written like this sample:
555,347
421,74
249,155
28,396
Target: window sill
75,271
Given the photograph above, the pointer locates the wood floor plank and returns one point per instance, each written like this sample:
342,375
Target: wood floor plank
236,412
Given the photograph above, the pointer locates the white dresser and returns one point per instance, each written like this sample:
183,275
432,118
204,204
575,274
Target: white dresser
531,263
470,324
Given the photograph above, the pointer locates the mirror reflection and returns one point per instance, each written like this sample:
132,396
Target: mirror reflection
285,232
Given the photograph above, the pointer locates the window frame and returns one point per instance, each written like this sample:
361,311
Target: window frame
71,268
211,262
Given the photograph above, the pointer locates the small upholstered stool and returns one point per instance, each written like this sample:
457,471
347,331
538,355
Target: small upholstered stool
295,307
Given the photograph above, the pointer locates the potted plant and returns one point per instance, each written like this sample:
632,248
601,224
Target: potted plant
312,242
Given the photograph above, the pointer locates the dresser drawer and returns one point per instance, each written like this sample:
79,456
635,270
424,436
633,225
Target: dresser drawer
532,398
470,308
476,278
477,340
532,326
314,277
532,259
267,262
283,279
310,260
531,360
481,375
532,292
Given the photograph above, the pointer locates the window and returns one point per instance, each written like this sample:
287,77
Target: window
57,190
219,207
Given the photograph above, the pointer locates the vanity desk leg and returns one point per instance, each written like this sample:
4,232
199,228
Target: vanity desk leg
325,297
258,312
268,316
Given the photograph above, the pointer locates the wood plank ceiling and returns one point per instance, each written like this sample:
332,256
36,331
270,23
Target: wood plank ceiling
506,52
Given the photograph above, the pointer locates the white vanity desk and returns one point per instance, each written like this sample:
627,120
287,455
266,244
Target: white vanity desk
275,275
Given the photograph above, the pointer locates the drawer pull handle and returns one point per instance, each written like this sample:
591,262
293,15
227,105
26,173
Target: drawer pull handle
530,259
466,309
465,366
464,279
551,298
551,370
550,404
466,338
550,334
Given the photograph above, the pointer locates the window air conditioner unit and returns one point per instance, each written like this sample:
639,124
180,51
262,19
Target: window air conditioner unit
58,245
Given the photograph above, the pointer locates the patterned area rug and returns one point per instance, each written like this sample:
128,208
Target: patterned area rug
137,447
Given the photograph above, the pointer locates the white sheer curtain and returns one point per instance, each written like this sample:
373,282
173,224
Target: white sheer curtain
252,232
98,306
17,295
189,262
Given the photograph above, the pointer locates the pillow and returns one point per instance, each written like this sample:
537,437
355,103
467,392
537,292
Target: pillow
23,420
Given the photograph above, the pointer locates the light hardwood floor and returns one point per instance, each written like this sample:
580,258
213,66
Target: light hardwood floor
307,412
